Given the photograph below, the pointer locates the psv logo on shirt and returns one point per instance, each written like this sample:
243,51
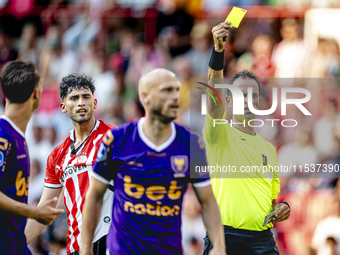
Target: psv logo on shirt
82,159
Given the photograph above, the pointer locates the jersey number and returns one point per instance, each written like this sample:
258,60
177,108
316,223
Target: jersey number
21,184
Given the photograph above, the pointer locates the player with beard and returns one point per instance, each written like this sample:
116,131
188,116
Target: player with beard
150,162
21,86
70,164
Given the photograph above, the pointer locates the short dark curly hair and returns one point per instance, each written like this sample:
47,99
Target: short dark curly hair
244,75
18,80
75,81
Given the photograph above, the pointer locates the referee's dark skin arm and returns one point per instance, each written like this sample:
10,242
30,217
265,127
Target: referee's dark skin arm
216,76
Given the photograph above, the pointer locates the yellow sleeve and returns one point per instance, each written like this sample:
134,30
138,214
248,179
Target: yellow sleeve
214,133
276,178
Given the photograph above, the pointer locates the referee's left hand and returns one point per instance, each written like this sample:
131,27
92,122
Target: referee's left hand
282,214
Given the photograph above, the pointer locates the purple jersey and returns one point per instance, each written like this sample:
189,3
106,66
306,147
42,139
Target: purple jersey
14,179
149,186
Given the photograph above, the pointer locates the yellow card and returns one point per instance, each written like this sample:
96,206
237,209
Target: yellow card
235,16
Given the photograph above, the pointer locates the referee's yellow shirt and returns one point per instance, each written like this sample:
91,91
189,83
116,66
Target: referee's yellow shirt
244,197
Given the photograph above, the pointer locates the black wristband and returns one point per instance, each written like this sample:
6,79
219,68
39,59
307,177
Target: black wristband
216,60
285,203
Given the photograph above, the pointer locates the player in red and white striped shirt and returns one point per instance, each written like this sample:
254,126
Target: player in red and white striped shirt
70,164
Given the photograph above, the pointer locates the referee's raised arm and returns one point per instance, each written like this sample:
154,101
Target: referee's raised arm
216,66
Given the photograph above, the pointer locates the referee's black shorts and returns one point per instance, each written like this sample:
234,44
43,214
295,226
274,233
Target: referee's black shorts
245,242
99,247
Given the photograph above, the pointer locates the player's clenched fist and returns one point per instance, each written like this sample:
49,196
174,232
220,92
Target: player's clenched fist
46,213
219,32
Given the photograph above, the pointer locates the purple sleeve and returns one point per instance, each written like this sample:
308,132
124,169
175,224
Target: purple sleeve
198,161
5,148
103,168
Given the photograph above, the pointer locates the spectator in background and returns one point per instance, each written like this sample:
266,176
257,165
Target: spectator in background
316,64
7,51
289,54
324,61
215,5
55,61
115,111
29,45
333,58
82,34
136,4
35,141
173,27
141,59
49,142
106,87
199,54
183,70
90,62
44,139
36,178
259,60
299,152
192,117
131,111
326,237
325,129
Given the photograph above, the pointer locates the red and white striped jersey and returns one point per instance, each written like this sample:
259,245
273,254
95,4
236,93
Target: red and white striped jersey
73,172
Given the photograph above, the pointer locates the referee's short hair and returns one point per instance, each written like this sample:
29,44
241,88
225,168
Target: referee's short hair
245,74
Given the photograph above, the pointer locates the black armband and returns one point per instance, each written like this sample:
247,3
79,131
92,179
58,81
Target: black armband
216,60
285,203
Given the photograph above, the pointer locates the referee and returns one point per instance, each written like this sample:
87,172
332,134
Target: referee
244,201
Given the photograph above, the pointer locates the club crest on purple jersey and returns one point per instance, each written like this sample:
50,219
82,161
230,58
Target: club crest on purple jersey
179,164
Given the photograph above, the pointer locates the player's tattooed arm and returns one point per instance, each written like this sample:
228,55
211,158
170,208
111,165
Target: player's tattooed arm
216,76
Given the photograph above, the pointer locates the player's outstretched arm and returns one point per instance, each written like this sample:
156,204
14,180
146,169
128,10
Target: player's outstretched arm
45,213
33,227
212,219
215,71
91,213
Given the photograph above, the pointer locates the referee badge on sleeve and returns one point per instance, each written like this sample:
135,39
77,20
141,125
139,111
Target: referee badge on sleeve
179,164
264,157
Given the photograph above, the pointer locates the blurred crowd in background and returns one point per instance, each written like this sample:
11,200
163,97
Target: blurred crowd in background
116,41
